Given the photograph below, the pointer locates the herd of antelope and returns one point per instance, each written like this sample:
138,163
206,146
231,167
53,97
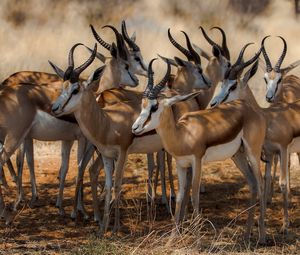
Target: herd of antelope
172,119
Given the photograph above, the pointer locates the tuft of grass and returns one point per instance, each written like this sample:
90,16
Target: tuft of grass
101,247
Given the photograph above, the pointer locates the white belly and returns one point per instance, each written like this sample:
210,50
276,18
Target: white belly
223,151
294,146
146,144
48,128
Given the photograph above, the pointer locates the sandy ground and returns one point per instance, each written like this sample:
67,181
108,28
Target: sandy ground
41,230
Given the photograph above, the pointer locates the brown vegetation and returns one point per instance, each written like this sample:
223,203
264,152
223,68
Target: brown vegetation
33,31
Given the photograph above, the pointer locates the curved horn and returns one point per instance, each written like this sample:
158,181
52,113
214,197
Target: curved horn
150,79
224,43
131,43
237,68
71,55
266,57
241,55
81,68
120,42
210,41
250,61
194,54
280,60
154,92
179,47
99,39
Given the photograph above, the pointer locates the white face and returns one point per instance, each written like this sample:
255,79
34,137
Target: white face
228,92
149,116
127,76
138,66
224,65
69,99
273,81
201,81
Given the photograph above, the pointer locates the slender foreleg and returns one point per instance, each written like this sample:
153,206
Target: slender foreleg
65,157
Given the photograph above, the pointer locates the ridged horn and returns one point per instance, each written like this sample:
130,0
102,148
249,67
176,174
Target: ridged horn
280,60
194,54
179,47
266,57
120,42
99,39
210,41
155,91
131,43
224,43
80,69
241,55
150,79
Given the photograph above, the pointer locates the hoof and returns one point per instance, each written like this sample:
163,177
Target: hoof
18,204
33,202
73,215
61,212
284,230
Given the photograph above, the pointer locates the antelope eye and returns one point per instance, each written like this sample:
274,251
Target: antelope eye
233,87
279,80
126,66
75,91
137,59
228,64
154,108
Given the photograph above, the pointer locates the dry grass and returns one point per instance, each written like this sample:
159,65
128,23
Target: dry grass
34,31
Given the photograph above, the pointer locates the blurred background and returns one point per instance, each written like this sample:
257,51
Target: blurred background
33,31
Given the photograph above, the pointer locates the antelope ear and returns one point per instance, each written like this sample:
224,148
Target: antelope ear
201,52
57,70
180,62
216,51
94,78
180,98
101,57
133,37
290,67
114,50
171,61
250,73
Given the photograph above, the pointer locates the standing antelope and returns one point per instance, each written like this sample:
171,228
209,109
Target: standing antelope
234,130
184,82
280,88
61,130
109,129
278,116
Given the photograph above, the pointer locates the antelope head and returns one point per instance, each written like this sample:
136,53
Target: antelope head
220,61
73,88
274,76
118,71
153,105
233,87
189,73
136,60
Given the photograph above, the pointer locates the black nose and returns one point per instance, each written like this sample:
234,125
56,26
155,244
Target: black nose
269,99
55,107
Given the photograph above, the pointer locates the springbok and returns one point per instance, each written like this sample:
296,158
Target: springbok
277,116
214,72
233,130
184,81
109,129
280,88
61,130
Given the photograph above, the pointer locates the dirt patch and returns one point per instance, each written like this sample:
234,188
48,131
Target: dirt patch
41,230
